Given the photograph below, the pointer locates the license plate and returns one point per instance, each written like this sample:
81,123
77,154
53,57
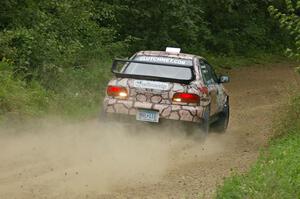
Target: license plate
147,116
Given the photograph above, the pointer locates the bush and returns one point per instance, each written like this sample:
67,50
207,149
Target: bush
79,92
290,20
60,35
76,93
18,98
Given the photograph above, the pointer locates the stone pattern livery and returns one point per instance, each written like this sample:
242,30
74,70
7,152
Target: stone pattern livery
161,100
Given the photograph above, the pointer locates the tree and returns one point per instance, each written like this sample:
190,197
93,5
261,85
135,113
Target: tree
155,24
290,20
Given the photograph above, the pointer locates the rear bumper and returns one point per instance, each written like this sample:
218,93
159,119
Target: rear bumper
130,123
166,111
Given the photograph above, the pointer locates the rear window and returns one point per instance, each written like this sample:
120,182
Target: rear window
183,72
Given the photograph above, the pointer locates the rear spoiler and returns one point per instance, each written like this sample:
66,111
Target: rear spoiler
155,78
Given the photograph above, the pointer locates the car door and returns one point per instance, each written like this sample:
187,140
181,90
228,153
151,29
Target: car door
211,81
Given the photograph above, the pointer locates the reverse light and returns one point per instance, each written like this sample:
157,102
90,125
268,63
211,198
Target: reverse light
117,91
186,98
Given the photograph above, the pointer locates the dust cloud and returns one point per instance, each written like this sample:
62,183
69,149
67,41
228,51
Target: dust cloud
55,159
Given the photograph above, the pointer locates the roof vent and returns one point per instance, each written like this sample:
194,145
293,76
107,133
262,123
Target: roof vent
172,50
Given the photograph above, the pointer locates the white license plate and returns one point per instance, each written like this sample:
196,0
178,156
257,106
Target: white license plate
147,116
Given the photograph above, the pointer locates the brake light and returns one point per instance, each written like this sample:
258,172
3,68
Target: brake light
117,91
186,98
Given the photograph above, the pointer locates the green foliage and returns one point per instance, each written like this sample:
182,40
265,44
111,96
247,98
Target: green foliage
18,98
240,27
60,35
221,27
229,62
277,172
78,92
155,24
45,37
290,20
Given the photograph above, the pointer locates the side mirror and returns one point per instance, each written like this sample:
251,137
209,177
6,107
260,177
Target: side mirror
224,79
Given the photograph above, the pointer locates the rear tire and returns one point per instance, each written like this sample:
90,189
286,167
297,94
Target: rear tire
205,125
221,124
200,131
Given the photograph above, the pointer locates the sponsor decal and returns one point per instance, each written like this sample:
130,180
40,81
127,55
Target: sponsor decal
150,85
165,60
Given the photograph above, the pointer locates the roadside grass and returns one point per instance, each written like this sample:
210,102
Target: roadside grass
18,98
276,174
75,94
78,92
231,62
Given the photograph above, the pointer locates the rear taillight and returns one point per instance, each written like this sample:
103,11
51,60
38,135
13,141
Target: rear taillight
117,91
186,98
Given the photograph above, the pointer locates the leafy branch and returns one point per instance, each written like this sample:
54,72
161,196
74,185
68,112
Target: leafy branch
290,20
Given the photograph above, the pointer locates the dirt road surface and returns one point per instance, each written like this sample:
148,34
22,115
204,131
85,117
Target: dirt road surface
54,159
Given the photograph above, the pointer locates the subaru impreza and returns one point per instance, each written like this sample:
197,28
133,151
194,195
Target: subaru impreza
156,86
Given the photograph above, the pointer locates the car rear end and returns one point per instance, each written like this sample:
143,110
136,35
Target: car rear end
152,88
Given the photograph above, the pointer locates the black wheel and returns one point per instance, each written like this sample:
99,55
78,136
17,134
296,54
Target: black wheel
199,131
205,125
221,124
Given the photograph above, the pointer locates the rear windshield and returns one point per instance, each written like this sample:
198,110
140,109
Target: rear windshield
181,73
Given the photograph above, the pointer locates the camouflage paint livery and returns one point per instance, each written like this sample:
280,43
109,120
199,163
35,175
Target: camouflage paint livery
161,99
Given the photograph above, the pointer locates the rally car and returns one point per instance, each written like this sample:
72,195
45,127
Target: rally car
155,86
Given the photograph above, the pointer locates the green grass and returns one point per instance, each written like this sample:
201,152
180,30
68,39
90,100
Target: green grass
18,98
73,93
277,172
231,62
78,93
